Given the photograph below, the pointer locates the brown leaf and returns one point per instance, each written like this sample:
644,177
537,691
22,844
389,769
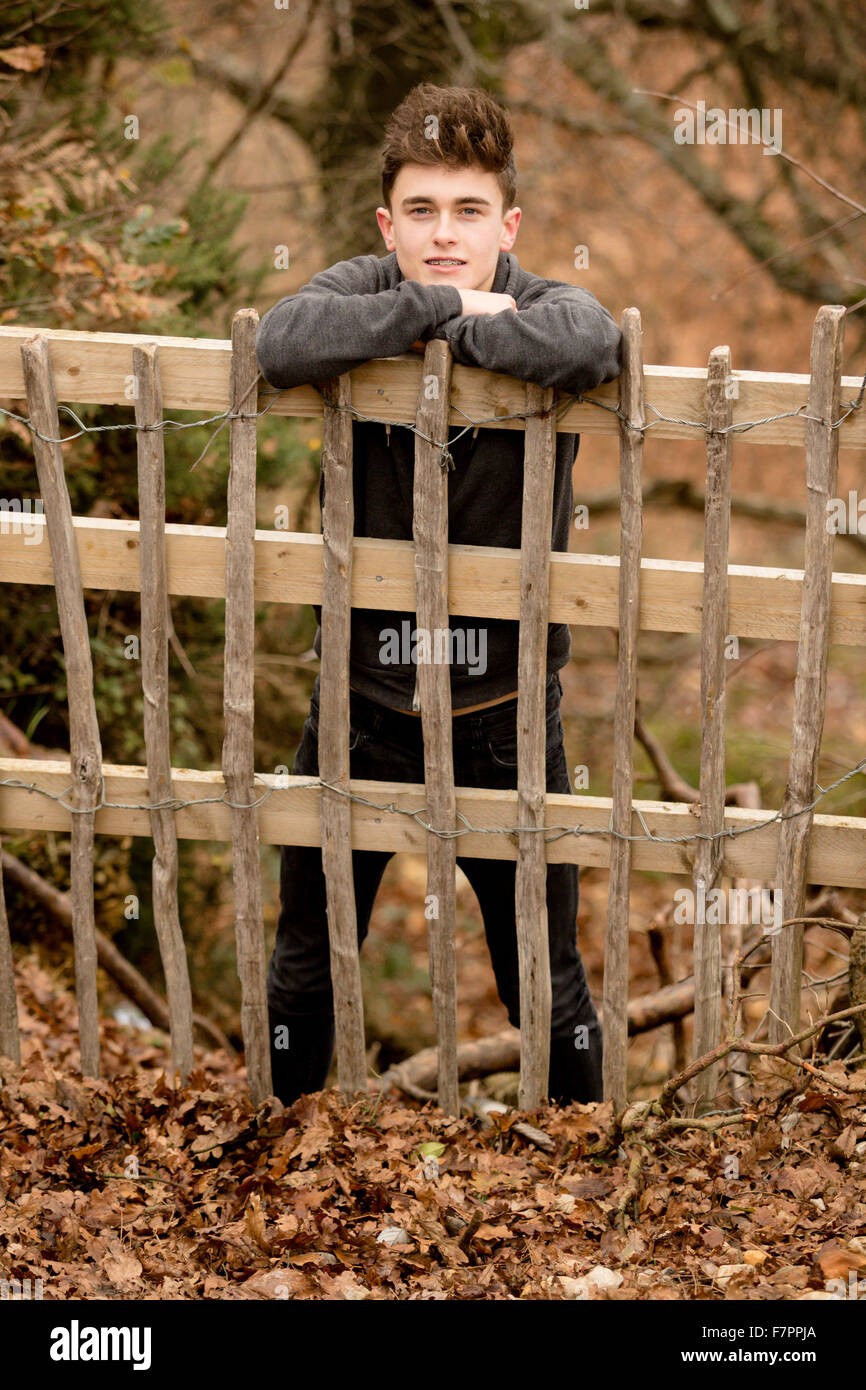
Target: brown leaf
102,1209
27,57
843,1145
835,1261
714,1238
588,1187
802,1182
313,1141
122,1267
254,1221
487,1232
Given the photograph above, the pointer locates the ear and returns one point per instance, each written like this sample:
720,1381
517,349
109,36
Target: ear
386,227
511,222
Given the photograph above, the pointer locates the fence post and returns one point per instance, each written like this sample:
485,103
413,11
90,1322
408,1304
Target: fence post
238,752
150,442
338,522
10,1040
631,396
433,678
810,686
530,891
85,749
708,856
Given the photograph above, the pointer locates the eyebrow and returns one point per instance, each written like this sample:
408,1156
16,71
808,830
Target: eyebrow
423,198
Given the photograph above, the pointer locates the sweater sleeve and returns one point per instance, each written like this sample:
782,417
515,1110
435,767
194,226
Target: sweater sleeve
564,338
343,318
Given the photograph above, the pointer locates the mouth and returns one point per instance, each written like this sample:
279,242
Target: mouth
444,263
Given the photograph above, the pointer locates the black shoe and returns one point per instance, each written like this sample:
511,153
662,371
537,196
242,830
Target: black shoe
575,1072
302,1067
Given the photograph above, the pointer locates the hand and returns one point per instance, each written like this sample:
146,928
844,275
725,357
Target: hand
484,302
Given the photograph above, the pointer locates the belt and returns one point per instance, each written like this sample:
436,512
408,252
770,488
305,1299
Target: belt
466,709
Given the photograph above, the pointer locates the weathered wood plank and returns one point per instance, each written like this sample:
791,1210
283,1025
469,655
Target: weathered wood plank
94,367
154,684
616,951
338,521
433,688
85,748
482,581
238,754
810,685
530,890
290,816
708,853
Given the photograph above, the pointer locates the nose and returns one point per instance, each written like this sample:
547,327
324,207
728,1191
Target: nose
444,230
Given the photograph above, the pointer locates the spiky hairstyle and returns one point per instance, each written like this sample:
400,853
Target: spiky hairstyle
470,127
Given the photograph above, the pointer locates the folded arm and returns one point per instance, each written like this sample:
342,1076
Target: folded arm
566,339
342,318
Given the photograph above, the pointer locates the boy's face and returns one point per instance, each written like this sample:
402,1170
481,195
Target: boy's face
454,214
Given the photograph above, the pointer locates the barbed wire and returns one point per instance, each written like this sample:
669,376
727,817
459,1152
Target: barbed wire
178,803
446,460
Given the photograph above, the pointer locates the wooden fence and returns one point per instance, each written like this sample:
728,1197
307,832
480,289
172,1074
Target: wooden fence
791,846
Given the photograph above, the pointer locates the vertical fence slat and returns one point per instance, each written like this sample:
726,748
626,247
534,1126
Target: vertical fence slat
154,684
10,1040
338,522
238,753
85,749
810,687
530,890
631,396
738,1063
709,855
430,533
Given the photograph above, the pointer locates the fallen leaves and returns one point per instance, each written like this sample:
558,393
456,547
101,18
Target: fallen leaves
126,1187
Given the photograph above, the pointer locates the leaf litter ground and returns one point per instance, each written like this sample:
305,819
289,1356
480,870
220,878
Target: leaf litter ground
128,1188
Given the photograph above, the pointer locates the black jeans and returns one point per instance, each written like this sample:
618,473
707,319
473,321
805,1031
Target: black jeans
387,745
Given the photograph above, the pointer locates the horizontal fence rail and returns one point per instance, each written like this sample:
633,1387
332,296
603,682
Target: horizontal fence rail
288,814
816,606
96,367
483,581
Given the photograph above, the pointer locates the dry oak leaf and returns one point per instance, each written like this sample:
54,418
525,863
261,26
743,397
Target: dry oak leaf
122,1267
313,1141
802,1182
487,1232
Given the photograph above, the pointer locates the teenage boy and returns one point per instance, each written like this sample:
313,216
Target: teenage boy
449,185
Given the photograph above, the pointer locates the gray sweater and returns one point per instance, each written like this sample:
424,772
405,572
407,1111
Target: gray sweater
364,308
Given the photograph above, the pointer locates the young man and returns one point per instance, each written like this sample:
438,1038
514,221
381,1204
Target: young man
449,221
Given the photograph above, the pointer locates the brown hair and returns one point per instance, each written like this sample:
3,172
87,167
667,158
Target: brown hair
472,129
